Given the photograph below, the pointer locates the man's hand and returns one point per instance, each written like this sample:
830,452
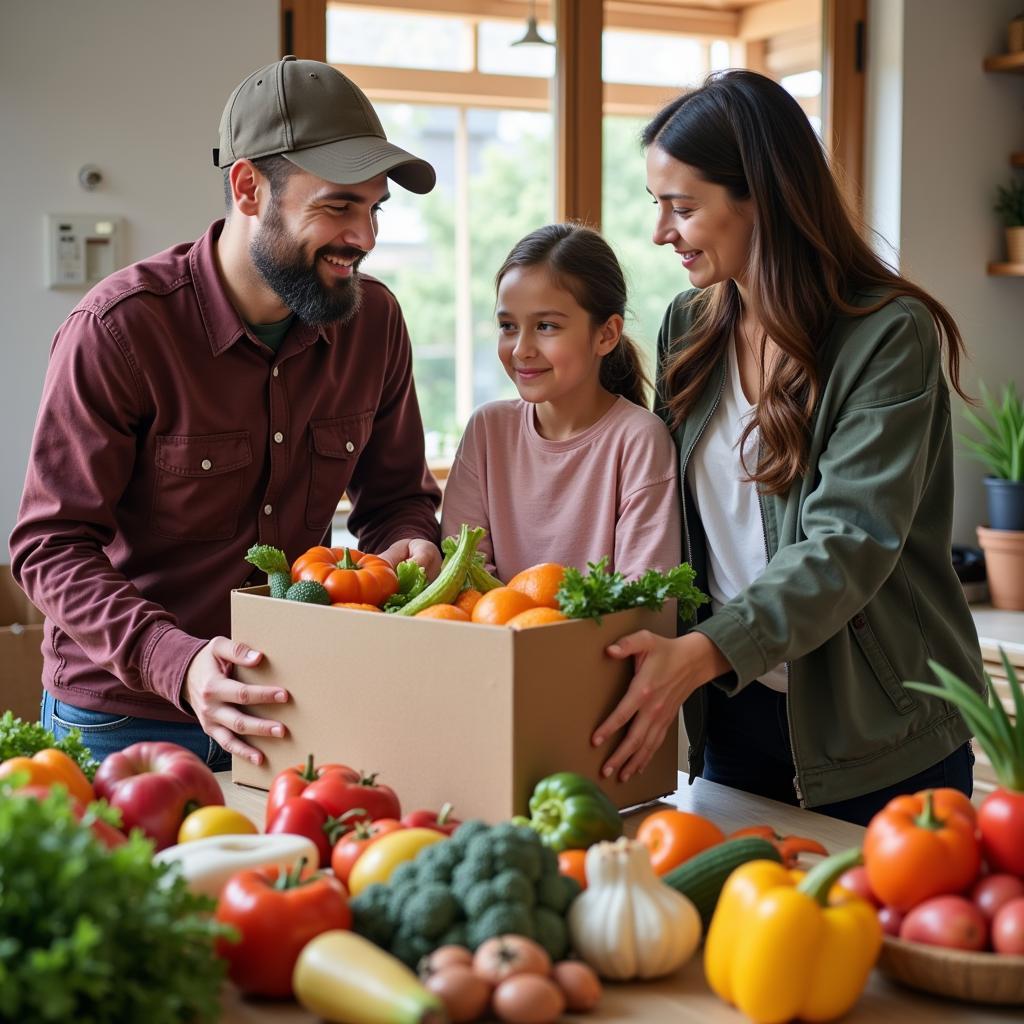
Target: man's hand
423,552
218,700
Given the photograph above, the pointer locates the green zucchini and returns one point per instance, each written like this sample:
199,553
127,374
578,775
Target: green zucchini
702,877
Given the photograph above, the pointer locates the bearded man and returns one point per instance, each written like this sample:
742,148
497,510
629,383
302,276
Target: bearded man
220,394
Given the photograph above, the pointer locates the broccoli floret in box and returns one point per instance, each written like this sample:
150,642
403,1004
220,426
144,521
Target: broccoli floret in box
482,882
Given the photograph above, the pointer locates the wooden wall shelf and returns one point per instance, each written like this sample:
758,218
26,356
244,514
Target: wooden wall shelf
1006,270
1006,62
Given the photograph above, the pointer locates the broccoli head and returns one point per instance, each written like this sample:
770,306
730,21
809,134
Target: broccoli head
500,919
429,911
551,932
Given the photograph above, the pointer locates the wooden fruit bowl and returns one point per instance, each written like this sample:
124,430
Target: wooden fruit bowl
957,973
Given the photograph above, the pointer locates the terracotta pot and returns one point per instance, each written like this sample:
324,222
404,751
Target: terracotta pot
1015,245
1004,564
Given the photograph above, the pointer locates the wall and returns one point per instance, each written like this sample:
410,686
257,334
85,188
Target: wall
136,87
948,152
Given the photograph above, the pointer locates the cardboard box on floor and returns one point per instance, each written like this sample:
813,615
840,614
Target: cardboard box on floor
21,657
444,711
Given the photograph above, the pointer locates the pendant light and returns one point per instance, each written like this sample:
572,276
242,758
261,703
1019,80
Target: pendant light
532,36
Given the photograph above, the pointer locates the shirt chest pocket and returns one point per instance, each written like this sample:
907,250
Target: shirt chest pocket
334,448
198,491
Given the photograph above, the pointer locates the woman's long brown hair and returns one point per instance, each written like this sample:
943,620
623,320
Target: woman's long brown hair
743,131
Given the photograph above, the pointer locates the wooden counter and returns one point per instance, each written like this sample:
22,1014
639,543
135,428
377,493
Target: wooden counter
685,997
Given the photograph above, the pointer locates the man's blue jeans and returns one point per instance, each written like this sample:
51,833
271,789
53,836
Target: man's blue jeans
104,733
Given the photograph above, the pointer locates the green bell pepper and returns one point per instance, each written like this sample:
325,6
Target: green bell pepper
569,812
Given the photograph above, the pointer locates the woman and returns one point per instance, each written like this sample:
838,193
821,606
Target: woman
803,384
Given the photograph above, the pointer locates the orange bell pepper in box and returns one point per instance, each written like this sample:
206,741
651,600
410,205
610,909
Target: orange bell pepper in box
785,945
921,846
49,767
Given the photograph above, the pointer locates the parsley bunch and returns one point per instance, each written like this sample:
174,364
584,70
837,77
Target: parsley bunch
90,934
23,739
600,592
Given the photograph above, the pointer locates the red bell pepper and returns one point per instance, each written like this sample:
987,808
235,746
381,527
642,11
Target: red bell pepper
292,781
276,913
307,818
439,821
155,786
349,847
337,795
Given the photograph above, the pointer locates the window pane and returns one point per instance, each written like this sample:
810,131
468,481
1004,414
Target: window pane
414,258
511,194
363,36
510,178
652,58
497,56
654,275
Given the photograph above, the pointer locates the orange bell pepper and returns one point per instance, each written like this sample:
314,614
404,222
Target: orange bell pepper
789,847
50,767
921,846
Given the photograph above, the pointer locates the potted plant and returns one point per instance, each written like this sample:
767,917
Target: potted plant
1010,206
1001,449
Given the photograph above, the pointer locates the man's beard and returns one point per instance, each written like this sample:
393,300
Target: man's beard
283,264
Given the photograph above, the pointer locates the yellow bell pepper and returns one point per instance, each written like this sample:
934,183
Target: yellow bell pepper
776,951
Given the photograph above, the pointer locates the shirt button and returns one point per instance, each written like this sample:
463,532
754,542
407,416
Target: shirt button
349,446
279,437
274,371
206,464
267,509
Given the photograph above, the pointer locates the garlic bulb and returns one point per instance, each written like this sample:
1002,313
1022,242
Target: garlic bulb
627,923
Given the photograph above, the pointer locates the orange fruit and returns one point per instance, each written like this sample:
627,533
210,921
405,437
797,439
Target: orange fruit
570,862
497,606
443,611
356,605
540,583
535,617
467,600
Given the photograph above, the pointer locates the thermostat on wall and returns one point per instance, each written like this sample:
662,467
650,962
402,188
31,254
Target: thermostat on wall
82,249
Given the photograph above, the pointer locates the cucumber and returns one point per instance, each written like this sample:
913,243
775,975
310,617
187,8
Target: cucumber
702,877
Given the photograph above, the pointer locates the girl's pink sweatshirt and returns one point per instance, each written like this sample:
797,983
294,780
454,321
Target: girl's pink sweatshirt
610,490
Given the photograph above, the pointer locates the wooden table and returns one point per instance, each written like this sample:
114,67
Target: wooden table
685,997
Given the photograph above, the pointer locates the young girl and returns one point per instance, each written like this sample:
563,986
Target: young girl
577,467
804,386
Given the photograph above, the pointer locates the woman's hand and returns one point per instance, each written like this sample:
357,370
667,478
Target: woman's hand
667,672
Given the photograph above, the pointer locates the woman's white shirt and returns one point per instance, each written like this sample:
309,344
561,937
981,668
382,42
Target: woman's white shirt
728,504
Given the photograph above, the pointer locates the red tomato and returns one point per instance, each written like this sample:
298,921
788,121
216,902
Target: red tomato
1001,821
307,818
992,891
856,881
439,821
338,795
104,832
349,848
154,786
949,921
292,781
275,918
890,919
1008,928
675,836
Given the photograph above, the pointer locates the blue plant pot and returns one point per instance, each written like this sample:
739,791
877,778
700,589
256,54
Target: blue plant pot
1005,503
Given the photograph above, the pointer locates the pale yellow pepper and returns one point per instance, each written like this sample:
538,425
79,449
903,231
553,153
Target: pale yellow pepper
776,952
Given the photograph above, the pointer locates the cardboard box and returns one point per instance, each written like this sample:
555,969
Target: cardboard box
444,711
21,656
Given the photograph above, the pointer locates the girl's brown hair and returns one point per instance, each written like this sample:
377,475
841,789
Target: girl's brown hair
743,131
582,262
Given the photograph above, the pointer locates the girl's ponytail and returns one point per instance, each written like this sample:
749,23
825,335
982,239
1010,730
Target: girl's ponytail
582,263
622,372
